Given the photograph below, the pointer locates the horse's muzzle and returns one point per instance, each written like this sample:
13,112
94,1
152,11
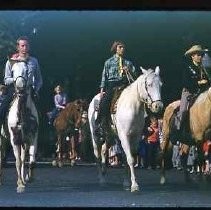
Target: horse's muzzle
156,106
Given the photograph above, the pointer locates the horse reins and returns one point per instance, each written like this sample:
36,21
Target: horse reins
149,96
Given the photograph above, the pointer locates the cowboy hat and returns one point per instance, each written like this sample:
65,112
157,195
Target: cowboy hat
194,49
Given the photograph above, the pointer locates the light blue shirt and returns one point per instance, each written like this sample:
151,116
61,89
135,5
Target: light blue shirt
30,67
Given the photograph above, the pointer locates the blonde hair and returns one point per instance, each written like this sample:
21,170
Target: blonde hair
58,87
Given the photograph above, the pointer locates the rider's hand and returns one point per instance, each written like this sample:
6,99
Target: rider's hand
202,82
125,69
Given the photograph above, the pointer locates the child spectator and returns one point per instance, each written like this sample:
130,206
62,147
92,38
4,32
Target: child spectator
60,101
207,155
152,142
114,154
141,156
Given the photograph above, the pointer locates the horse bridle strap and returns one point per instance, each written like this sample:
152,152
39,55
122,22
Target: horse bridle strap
149,96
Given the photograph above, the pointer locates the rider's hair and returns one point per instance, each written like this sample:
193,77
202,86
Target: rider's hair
22,38
115,44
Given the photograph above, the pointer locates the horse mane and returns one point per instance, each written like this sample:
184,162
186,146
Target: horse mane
204,96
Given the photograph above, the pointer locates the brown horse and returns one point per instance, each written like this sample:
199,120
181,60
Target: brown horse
199,121
65,124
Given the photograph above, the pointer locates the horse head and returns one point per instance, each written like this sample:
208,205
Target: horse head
81,107
20,78
152,89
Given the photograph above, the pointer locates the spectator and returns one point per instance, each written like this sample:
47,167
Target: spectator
176,156
141,156
207,156
114,153
152,143
191,159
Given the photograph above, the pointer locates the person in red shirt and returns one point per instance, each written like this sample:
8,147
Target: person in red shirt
207,155
152,142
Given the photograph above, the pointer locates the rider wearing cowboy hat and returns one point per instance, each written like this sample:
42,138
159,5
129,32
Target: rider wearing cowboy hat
195,80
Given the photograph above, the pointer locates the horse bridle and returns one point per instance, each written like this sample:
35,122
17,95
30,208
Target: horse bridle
149,96
20,89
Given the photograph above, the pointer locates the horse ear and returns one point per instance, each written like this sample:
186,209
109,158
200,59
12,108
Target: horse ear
157,70
144,71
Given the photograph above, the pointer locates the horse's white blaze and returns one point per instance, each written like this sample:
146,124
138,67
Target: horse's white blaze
130,115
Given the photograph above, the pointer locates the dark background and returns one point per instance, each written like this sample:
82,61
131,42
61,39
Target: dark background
71,46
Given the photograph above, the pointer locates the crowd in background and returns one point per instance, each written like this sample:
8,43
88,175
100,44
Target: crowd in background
149,144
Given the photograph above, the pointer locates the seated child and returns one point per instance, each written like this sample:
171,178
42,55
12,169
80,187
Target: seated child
60,101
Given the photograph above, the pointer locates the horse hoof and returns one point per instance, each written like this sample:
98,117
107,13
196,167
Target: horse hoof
72,162
162,180
54,163
20,189
126,188
60,164
135,189
29,179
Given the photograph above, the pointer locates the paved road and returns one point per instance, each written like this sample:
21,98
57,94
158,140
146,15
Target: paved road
78,187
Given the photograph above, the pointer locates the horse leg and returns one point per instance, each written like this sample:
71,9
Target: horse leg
32,153
73,148
130,161
22,159
1,160
166,147
184,158
103,159
59,151
126,182
17,154
100,160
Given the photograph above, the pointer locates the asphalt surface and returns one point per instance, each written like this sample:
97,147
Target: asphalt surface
78,186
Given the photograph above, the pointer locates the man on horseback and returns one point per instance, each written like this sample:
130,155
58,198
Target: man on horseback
195,81
117,72
30,65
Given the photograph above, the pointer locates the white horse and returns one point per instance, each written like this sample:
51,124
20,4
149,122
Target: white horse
129,119
23,128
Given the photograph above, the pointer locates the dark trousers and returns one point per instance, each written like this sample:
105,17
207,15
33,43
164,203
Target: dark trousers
6,103
152,150
105,103
184,105
54,113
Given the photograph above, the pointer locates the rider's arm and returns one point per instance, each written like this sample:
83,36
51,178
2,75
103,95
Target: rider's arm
8,75
56,102
38,81
103,81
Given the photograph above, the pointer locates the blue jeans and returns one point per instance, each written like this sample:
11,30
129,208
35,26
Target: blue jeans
54,113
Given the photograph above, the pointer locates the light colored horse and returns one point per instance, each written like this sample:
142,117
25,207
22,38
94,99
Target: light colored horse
129,119
200,124
23,128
